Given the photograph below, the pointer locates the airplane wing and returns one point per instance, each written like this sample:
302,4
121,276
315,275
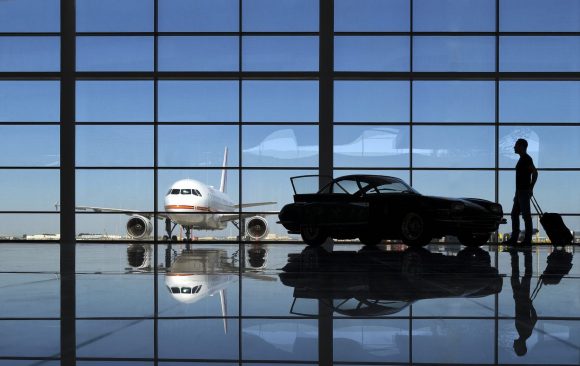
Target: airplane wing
244,205
119,210
243,215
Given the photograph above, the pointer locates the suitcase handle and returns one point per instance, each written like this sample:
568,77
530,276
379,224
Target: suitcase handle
536,205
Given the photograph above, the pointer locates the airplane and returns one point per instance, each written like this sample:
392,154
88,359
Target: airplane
195,205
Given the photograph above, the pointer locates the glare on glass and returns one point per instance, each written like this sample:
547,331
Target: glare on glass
280,15
284,53
115,15
539,16
29,54
199,53
36,146
453,101
371,15
539,101
197,146
371,53
30,16
550,147
279,101
124,189
114,53
29,190
198,101
114,101
542,53
29,101
371,101
371,146
129,146
295,146
454,15
459,54
454,146
198,16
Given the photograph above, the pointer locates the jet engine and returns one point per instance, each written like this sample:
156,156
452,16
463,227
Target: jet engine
139,227
256,227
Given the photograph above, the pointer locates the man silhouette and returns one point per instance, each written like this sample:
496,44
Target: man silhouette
526,177
526,316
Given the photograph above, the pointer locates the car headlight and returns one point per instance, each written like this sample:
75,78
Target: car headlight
457,206
496,209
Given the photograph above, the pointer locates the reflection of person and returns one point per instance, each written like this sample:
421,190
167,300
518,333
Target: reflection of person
526,316
526,176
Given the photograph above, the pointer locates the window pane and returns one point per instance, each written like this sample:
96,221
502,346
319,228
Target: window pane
371,101
454,15
280,15
374,53
198,16
269,186
369,146
214,53
115,53
454,54
29,54
30,226
295,146
540,16
114,101
114,15
198,101
30,338
455,183
540,54
108,338
29,190
124,189
453,101
454,146
280,101
555,191
199,146
29,146
29,101
371,15
550,147
114,146
539,101
30,16
290,53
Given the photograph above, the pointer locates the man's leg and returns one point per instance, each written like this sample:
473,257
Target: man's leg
524,203
515,215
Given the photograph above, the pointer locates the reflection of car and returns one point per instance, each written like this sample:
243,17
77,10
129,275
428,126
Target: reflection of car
375,282
373,208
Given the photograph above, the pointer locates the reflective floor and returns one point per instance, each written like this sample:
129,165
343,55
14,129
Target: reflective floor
224,304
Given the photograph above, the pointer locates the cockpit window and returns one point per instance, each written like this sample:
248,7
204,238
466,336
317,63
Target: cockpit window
175,191
186,191
198,289
175,290
186,290
197,193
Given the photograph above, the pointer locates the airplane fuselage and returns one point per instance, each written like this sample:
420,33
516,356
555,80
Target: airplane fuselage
191,203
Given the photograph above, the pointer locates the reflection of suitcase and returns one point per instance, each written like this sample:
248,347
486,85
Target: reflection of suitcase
554,226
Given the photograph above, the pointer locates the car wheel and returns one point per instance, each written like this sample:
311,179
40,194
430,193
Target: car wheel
370,239
312,235
415,230
473,239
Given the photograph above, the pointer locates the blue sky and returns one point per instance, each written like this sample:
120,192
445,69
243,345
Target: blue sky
266,101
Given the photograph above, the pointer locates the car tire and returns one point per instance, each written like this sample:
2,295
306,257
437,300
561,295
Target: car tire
473,239
370,239
415,230
313,235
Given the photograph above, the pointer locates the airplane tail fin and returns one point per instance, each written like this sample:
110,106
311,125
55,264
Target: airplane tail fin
224,179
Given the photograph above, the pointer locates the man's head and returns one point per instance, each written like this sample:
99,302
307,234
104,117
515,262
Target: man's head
520,347
521,146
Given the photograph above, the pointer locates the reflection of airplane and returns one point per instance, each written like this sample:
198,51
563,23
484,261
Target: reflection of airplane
195,274
374,142
376,283
195,205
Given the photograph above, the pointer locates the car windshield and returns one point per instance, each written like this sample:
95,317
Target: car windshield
368,185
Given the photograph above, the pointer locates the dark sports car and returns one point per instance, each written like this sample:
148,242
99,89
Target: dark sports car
372,208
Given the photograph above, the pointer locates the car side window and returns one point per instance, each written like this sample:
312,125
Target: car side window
345,186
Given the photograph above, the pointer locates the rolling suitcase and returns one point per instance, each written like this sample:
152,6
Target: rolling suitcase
554,226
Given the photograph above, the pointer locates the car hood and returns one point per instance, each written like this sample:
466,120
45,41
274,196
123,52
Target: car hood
468,202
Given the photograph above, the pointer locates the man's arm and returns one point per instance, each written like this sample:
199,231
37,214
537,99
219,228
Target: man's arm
534,172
